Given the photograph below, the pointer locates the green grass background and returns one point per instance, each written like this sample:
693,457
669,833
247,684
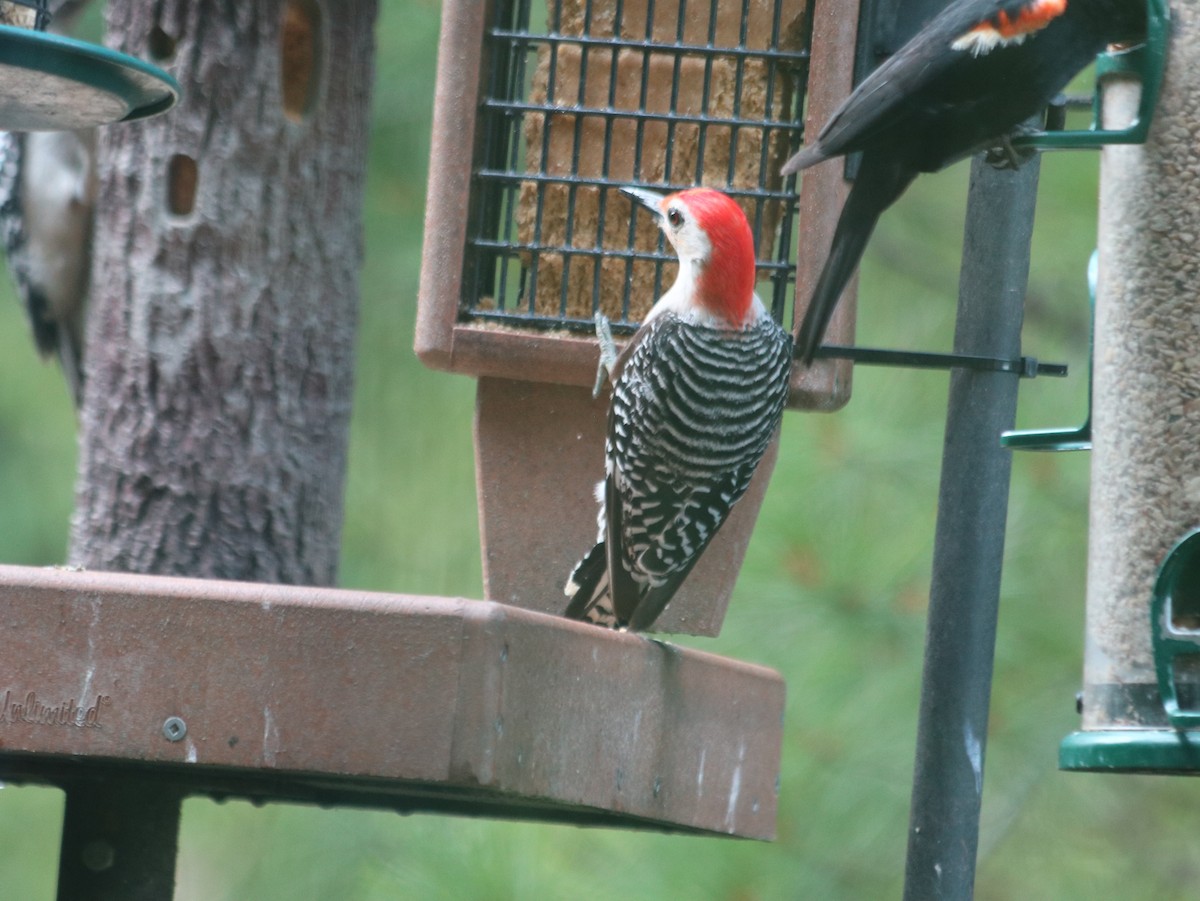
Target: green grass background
833,595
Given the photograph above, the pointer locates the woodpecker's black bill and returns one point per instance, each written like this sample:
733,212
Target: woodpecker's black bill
651,200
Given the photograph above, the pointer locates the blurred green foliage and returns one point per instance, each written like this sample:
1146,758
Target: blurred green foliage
833,595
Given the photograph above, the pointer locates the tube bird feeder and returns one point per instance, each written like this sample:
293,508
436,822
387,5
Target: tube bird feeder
540,116
1140,702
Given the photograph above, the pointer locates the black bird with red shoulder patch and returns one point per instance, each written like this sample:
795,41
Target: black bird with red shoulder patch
964,83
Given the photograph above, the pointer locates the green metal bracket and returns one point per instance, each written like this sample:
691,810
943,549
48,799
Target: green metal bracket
1147,61
1177,586
1067,439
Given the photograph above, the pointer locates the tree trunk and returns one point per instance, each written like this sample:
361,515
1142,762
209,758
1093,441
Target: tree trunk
225,283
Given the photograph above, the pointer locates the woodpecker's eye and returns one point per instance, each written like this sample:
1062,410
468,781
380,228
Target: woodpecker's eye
674,217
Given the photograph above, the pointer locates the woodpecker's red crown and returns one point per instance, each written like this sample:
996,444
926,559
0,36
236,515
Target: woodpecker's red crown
725,273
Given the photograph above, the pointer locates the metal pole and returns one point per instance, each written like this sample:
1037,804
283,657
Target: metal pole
969,541
119,840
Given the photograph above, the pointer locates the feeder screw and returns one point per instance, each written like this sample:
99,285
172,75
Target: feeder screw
174,728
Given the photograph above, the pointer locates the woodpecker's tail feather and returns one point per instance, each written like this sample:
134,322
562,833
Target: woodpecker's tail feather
588,589
878,184
651,607
52,336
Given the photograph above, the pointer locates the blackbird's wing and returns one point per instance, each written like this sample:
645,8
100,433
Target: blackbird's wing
924,70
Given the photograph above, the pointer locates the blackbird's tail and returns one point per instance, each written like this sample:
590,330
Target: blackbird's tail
878,185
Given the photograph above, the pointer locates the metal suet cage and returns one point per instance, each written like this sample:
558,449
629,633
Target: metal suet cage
612,96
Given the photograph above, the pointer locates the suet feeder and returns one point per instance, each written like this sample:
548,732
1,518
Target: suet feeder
540,116
53,83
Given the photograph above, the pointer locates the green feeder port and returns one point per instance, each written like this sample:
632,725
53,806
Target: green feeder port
53,83
1146,61
1064,439
1158,723
1175,627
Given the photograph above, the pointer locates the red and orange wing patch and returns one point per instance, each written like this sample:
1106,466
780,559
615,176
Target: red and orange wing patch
1006,28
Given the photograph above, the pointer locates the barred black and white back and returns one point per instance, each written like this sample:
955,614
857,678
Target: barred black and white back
694,409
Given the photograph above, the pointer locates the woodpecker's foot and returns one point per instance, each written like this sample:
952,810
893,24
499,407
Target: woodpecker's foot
608,352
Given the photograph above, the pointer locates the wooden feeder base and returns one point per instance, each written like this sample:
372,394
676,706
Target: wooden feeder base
393,701
539,452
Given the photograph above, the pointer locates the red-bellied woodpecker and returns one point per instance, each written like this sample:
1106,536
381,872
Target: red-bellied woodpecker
698,393
964,83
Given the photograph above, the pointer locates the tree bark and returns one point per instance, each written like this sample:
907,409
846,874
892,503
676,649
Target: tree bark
225,273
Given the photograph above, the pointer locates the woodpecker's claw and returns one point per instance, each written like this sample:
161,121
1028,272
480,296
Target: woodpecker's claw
608,352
